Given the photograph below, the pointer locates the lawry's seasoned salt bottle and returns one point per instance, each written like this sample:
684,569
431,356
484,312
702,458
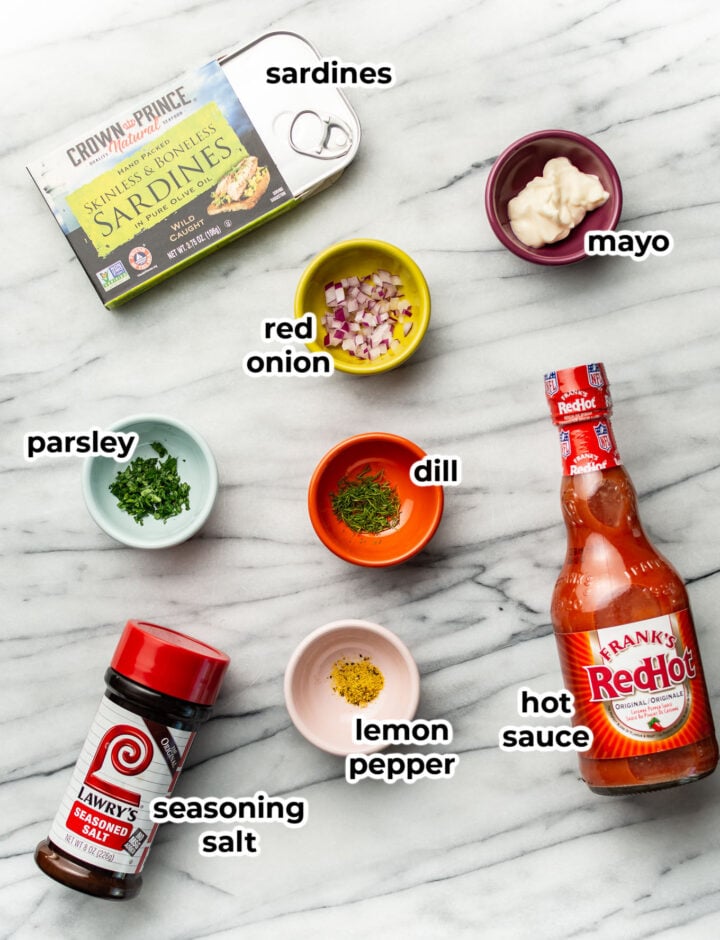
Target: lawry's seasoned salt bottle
160,688
621,614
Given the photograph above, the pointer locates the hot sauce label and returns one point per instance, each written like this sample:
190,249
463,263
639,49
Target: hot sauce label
127,761
588,446
637,686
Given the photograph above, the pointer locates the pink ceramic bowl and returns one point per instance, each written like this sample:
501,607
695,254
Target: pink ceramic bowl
525,159
324,717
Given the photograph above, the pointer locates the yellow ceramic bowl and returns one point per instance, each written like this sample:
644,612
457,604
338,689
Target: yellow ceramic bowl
360,257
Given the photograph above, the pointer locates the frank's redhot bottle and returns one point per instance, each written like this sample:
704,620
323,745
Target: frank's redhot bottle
621,614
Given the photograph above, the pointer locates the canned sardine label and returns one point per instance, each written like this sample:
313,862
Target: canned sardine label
168,179
127,761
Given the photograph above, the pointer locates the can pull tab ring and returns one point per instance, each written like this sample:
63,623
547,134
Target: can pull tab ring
328,136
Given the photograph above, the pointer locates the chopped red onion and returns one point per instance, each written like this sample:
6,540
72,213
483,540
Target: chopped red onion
363,313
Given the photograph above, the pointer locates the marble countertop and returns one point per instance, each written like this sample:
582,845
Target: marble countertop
514,846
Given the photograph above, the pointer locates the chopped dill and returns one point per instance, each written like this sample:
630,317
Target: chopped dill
367,502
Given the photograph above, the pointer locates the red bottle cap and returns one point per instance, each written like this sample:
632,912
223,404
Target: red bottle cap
170,662
578,394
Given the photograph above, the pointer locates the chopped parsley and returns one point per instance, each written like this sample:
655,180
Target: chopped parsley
151,487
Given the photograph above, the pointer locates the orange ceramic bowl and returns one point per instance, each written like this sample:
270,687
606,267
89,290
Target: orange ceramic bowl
421,507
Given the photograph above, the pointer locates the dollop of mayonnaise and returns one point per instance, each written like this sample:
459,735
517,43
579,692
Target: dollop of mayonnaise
552,205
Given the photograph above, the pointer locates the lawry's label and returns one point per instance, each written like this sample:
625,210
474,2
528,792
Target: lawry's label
637,686
127,761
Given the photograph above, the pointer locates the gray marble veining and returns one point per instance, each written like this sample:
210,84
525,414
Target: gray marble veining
514,846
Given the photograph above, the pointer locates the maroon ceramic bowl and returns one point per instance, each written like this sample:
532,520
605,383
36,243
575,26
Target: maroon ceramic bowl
525,159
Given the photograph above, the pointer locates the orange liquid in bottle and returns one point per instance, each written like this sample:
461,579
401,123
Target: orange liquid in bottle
621,618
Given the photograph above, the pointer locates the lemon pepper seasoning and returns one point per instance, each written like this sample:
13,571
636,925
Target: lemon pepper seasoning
358,681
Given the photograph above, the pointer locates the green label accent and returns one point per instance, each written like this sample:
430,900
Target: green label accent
175,167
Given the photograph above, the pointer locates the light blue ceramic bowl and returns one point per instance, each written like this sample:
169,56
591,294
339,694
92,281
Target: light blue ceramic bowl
196,466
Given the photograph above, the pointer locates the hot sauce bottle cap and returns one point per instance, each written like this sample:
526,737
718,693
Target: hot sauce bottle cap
170,662
578,394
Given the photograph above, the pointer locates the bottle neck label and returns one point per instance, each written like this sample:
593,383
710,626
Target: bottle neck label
638,686
577,394
587,446
126,761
